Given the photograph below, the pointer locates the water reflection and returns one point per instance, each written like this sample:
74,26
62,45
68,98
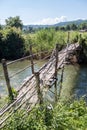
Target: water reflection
81,83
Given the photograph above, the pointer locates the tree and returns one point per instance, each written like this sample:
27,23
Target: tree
1,45
11,44
14,22
0,26
68,27
83,26
14,45
73,26
56,28
62,28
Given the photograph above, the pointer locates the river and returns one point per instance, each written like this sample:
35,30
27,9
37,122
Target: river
74,83
19,78
74,79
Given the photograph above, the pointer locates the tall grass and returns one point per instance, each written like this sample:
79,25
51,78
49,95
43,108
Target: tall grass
46,39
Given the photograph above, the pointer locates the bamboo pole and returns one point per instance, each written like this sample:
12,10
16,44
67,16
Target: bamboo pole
68,40
56,64
61,81
31,57
39,93
7,78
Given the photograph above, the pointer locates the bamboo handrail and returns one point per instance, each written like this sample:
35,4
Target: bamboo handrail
21,70
16,109
9,63
11,105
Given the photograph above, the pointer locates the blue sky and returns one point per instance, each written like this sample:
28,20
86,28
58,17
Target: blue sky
43,11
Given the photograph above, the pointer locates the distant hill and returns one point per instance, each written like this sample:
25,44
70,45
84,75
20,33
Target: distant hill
77,22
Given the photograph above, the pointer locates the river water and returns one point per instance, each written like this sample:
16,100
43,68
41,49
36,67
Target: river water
19,78
74,78
74,83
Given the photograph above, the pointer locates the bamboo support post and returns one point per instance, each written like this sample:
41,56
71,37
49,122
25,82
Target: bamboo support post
80,37
61,81
7,78
68,40
39,93
56,64
31,57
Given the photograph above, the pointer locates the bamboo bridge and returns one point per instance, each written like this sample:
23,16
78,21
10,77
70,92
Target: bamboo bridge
31,92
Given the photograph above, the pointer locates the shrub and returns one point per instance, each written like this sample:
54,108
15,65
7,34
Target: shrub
64,116
12,44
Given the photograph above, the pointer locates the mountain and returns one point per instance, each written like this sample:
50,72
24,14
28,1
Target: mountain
77,22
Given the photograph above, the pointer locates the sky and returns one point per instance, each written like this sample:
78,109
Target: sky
43,11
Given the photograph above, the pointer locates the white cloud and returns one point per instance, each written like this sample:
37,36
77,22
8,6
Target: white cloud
50,21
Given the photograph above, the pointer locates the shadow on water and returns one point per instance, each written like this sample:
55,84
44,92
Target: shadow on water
81,84
70,77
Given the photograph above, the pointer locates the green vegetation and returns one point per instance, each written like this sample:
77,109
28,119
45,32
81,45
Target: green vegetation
14,43
13,39
72,26
11,44
63,116
14,22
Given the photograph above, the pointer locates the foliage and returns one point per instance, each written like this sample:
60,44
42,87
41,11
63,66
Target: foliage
1,27
1,44
83,26
45,39
74,37
64,116
14,40
12,44
14,22
74,27
70,116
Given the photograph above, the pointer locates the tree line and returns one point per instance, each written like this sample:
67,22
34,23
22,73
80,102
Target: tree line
68,27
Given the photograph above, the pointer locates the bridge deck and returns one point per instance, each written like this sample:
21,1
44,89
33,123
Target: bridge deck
46,74
27,93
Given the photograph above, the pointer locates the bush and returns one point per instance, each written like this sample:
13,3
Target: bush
64,116
12,44
1,45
